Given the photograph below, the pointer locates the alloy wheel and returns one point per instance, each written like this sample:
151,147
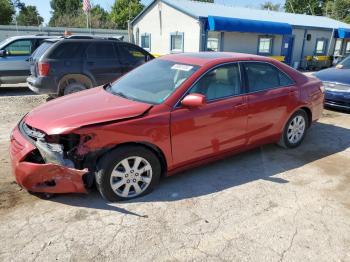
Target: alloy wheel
296,129
131,177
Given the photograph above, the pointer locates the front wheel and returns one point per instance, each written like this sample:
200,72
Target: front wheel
295,130
127,172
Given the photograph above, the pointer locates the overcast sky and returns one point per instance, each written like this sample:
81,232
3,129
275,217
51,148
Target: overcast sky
44,6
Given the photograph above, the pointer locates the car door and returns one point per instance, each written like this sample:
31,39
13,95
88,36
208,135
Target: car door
102,62
131,56
270,94
218,126
14,63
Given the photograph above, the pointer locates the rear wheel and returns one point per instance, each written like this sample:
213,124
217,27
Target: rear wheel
127,172
73,88
295,130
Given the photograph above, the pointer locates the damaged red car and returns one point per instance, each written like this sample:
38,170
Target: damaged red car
175,112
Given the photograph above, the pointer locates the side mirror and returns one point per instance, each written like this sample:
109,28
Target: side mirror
3,53
193,100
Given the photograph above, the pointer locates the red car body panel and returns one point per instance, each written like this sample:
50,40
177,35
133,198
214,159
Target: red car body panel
183,137
92,106
31,175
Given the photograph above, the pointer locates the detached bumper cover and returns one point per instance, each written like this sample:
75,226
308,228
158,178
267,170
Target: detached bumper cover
37,177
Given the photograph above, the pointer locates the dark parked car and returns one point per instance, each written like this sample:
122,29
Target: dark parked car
14,54
69,65
336,81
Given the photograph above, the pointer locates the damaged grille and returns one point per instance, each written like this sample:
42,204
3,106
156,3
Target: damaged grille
32,132
49,149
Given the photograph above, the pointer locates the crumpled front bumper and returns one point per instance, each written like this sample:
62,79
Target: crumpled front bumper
38,177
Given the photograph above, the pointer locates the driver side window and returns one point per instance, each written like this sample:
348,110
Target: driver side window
221,82
19,48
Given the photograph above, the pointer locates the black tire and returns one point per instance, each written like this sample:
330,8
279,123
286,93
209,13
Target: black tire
284,141
73,88
110,160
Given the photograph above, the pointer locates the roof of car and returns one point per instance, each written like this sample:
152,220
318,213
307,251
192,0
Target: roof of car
202,58
31,36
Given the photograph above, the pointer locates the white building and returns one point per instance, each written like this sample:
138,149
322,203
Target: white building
170,26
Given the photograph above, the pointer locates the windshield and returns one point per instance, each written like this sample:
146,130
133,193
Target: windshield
153,82
345,64
3,43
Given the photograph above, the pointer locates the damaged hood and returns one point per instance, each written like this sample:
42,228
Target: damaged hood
88,107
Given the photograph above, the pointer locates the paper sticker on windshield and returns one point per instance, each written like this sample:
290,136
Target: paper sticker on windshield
182,67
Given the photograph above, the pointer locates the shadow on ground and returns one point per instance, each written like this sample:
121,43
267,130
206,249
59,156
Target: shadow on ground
263,163
15,90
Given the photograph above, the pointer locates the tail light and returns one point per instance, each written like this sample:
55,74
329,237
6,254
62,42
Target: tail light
44,69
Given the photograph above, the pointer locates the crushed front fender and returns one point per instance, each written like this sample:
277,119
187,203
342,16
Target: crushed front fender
42,177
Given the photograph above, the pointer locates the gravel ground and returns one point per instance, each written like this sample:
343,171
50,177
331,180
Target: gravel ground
268,204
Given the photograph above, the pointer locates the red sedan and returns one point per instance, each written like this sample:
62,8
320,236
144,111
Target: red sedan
167,115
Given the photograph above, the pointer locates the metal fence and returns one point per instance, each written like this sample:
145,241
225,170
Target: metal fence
12,30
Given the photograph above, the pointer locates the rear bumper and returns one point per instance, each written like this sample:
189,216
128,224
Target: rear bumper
42,85
42,177
340,100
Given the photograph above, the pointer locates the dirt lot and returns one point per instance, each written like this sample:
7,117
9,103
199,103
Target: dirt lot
268,204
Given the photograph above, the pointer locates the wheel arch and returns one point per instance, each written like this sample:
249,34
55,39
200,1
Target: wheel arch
308,112
153,148
64,81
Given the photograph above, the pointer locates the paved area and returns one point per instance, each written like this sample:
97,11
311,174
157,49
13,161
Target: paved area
268,204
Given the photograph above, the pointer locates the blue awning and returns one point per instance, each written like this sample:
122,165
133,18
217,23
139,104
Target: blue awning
228,24
342,33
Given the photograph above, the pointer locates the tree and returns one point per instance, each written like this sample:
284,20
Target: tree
270,6
99,17
29,15
64,8
125,10
310,7
341,10
7,10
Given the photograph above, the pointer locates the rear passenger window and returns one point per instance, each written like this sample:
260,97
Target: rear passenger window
263,76
100,51
285,80
131,55
220,82
67,51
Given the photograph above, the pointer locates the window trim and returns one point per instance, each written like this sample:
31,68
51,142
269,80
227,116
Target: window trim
173,51
247,88
340,47
347,45
242,81
149,43
17,40
272,38
325,46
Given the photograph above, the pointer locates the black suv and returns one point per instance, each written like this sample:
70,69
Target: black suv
68,65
